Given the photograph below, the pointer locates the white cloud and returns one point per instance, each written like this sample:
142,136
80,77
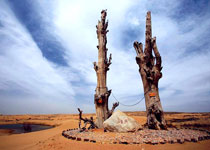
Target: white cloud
23,69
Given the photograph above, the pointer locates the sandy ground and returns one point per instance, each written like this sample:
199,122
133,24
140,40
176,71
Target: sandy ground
52,139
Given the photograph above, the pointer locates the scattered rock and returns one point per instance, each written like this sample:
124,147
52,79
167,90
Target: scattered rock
194,139
93,141
146,136
86,140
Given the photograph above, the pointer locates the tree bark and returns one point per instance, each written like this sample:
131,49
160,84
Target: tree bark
102,93
150,71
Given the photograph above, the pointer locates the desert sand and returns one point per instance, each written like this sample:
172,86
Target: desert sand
51,139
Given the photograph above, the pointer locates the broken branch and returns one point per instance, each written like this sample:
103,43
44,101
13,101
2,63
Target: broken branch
113,108
86,121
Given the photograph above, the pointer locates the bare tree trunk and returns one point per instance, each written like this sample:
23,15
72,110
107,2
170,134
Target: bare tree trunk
102,93
150,71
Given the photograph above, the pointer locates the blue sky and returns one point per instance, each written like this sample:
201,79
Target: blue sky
47,49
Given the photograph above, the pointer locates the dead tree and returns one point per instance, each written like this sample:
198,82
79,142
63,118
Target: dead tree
86,121
102,93
150,71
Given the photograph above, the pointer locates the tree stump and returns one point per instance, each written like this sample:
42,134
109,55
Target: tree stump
150,71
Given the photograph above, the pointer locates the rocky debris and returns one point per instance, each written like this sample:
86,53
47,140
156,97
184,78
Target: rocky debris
120,122
146,136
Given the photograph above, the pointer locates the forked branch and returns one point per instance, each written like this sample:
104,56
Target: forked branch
138,47
86,121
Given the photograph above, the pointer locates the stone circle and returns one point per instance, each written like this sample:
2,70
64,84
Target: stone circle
146,136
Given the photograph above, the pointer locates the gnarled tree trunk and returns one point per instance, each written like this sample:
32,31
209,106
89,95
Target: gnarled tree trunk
102,93
150,71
